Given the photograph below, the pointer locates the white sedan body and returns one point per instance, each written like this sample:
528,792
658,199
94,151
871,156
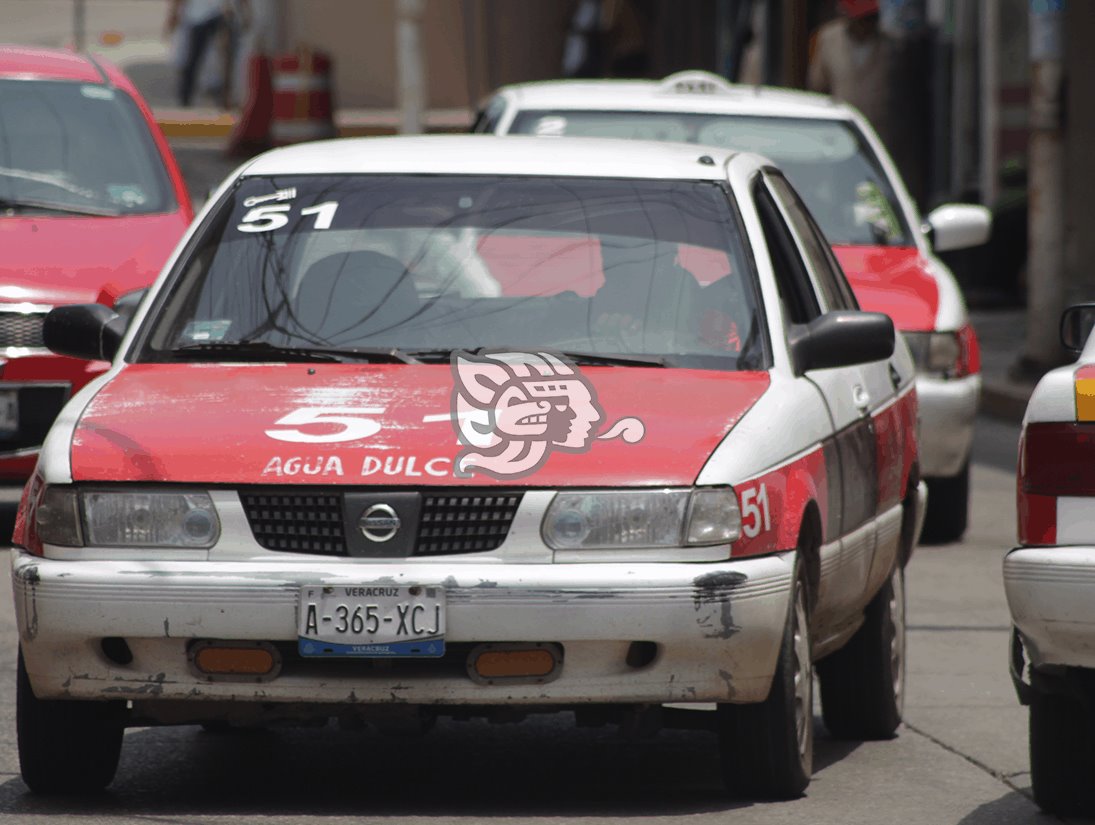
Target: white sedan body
712,616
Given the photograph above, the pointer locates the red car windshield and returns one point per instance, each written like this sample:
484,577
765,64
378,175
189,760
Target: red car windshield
827,161
646,268
77,147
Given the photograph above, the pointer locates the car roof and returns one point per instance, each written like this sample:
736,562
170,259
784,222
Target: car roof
490,155
37,63
693,91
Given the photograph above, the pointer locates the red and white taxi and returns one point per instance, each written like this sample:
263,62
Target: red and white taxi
840,167
427,423
1050,576
91,205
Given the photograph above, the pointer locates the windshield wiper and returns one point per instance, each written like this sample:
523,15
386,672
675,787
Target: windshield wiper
613,359
265,351
50,206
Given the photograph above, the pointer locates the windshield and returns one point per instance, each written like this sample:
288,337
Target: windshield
827,161
77,147
428,264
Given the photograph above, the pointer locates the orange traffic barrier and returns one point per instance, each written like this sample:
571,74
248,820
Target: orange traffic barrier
252,131
303,100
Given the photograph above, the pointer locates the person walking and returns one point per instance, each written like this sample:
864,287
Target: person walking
198,22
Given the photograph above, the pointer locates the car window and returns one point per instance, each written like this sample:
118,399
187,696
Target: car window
78,146
829,162
830,277
488,118
796,290
465,262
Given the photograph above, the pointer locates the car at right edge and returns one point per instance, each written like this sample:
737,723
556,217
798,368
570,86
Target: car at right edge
842,171
1050,576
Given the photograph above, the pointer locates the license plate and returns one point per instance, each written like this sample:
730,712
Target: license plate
9,411
371,620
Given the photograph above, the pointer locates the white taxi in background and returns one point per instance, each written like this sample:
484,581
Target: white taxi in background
1050,576
839,166
414,426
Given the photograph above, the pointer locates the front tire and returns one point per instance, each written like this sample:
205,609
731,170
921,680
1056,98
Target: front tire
768,748
66,746
1062,755
863,683
948,508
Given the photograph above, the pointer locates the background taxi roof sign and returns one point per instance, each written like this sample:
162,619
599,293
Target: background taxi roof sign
696,82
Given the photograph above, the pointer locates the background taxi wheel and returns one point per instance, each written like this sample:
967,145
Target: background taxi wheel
863,683
1062,755
948,508
768,748
66,746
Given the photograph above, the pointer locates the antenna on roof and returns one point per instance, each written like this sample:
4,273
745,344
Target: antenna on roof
695,82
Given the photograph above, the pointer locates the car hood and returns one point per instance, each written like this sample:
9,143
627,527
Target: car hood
895,280
69,260
209,424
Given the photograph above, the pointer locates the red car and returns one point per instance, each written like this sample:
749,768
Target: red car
91,205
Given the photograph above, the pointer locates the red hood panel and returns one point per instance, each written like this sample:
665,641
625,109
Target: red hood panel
63,260
207,423
894,280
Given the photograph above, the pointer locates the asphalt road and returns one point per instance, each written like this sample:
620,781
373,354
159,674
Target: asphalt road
961,757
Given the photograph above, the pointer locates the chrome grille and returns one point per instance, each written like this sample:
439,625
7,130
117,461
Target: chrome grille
21,329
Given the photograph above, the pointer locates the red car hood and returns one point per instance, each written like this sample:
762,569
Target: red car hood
894,280
66,260
208,423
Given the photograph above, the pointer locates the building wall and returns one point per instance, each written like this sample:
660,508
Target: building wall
1079,139
471,46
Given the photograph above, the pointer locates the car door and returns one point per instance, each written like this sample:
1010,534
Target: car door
851,455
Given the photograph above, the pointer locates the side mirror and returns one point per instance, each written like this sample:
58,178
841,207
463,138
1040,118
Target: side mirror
126,305
1076,324
92,332
841,339
959,226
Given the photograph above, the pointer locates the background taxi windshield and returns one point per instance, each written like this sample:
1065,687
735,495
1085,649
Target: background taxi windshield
827,161
434,262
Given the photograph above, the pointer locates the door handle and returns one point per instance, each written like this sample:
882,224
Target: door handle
861,399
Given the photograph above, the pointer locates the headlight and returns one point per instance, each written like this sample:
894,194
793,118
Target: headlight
936,352
126,519
604,519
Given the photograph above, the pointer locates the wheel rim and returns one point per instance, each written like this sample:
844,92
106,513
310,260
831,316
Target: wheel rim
803,678
897,637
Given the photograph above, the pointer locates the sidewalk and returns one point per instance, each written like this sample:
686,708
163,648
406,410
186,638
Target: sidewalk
1001,333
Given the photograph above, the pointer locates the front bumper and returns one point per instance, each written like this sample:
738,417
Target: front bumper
948,409
1051,593
717,628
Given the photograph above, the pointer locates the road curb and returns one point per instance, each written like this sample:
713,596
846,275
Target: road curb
215,123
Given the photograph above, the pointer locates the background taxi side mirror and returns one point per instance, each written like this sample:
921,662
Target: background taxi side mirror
958,226
91,332
1076,324
841,339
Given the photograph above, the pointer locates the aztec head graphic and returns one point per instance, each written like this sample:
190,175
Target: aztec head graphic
512,409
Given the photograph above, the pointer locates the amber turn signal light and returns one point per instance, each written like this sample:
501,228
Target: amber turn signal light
534,663
236,660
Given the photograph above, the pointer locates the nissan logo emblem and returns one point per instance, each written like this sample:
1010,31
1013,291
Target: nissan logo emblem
379,523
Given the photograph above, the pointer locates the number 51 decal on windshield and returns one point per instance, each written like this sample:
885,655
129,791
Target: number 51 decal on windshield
754,511
271,216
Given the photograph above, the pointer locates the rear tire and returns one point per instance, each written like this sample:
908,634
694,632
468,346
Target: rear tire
948,508
66,746
1062,755
767,748
863,683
